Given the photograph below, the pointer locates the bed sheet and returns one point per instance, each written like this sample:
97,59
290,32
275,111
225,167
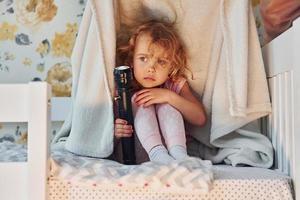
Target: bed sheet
12,152
180,176
223,189
229,182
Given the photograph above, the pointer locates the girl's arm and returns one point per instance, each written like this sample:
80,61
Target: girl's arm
191,109
189,106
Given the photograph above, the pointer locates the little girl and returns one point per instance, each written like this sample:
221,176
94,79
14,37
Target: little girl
158,59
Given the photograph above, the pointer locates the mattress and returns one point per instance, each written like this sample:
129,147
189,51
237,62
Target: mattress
230,183
223,189
77,181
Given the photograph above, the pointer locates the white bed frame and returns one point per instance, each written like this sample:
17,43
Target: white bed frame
31,103
282,61
27,103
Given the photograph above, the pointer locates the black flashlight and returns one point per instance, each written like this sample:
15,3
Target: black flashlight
123,79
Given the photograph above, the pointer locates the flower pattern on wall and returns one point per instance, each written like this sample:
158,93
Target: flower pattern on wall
27,61
7,31
43,48
9,56
36,39
63,43
33,12
60,77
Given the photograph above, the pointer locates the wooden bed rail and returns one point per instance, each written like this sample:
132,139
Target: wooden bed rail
27,103
282,61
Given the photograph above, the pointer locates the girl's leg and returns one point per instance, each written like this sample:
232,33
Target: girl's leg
172,128
147,130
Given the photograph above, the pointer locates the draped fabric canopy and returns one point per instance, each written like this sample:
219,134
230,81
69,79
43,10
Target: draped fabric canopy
226,73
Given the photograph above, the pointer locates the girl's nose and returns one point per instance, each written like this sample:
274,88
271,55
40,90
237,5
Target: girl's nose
151,67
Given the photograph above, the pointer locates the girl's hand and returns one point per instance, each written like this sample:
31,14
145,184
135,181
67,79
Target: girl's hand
122,129
147,97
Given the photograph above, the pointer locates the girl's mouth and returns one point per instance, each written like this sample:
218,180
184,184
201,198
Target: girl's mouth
149,79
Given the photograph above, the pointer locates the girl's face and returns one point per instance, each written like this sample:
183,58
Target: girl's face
150,63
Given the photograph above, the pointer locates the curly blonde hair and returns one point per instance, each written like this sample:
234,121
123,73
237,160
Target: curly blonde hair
164,35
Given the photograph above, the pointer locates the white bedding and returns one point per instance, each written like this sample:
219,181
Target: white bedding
74,177
12,152
230,183
78,176
186,176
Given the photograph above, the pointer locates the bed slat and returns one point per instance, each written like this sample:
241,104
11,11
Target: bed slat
13,178
38,136
282,61
280,122
27,103
12,94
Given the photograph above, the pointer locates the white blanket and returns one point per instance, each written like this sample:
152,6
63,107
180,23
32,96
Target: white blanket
88,129
191,175
226,71
235,91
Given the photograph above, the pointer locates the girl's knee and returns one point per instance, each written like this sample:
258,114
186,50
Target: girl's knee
134,104
140,108
166,108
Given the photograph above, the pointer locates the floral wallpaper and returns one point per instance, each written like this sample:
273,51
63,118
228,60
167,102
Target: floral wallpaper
36,40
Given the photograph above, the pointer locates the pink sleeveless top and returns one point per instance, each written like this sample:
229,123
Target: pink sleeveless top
175,86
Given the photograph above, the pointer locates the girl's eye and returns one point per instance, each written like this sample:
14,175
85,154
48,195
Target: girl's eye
162,62
143,59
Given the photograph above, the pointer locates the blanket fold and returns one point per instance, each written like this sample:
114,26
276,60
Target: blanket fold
88,129
226,72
